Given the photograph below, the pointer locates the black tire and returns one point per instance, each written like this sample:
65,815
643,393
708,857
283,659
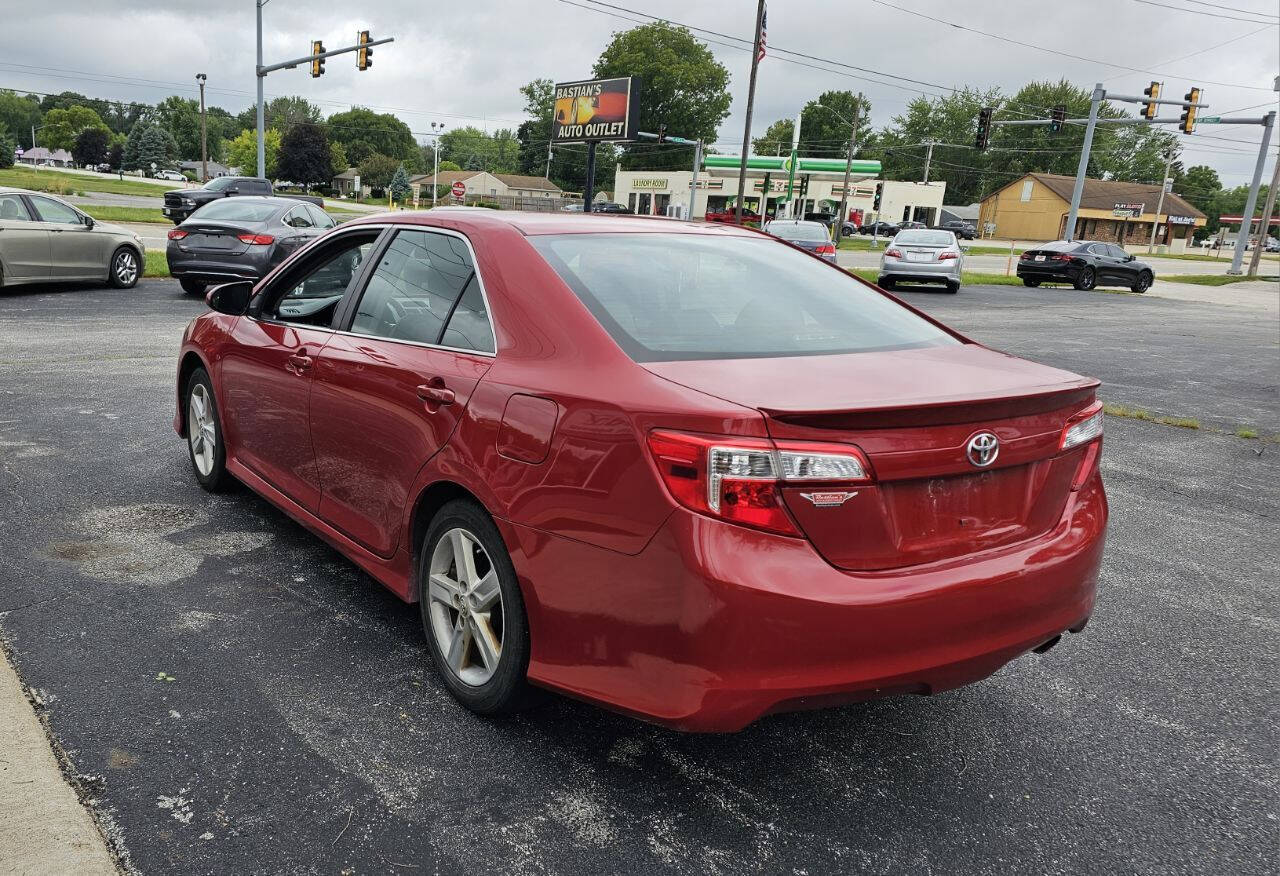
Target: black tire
506,690
1086,279
191,287
125,268
1142,284
885,283
216,479
1031,282
953,288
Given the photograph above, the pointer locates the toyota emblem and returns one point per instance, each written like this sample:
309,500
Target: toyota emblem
983,449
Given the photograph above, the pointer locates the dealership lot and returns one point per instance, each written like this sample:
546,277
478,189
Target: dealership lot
232,695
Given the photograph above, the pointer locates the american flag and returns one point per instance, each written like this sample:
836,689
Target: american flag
764,26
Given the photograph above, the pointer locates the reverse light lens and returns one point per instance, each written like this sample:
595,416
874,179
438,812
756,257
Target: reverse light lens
256,239
1084,430
177,234
800,466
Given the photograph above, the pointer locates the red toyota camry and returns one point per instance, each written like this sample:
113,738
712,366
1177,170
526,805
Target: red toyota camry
684,471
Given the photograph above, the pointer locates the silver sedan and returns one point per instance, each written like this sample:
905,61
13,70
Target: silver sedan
922,255
44,239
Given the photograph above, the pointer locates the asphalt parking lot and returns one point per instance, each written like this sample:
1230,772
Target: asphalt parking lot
232,696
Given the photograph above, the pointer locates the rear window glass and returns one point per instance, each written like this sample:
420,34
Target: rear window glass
703,296
924,238
798,231
236,210
1060,246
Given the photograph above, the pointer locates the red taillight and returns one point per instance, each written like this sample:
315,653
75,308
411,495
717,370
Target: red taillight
893,253
944,255
739,479
256,239
1060,257
826,249
177,234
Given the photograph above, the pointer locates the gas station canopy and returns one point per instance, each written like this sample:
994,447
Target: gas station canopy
817,168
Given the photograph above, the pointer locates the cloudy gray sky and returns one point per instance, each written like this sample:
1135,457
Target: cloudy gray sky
462,62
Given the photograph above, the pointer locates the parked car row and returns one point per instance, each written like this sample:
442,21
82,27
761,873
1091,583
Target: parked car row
180,204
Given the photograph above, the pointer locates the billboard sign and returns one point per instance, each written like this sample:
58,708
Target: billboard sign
1128,211
595,110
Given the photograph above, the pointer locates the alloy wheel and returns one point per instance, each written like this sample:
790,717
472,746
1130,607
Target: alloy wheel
126,268
201,433
465,607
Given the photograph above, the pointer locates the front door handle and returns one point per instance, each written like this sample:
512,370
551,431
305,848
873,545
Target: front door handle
298,364
435,394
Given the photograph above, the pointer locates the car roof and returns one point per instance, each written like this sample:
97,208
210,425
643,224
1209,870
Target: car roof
793,222
535,223
260,199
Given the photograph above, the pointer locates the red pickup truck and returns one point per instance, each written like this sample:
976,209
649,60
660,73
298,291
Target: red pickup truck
727,215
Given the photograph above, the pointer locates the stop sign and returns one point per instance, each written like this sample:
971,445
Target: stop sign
459,189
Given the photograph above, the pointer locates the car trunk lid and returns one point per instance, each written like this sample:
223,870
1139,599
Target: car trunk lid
219,237
913,413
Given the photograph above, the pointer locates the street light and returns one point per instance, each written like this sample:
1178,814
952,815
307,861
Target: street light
848,166
204,142
435,175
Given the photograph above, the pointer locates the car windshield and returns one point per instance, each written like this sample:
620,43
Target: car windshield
925,238
666,297
217,184
236,210
797,230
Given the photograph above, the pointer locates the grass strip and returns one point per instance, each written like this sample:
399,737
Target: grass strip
60,183
125,214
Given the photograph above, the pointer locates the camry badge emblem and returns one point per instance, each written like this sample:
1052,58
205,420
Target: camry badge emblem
831,498
983,449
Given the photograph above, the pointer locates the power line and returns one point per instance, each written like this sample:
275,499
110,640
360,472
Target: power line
1232,8
1202,51
1209,14
1027,45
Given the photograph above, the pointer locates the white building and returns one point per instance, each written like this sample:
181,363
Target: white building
666,192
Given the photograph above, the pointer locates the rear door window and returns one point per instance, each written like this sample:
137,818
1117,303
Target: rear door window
412,294
298,217
13,210
319,217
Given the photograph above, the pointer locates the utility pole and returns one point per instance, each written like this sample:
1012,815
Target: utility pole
751,100
1164,183
1246,223
435,170
791,171
1266,221
848,168
1078,189
928,159
204,138
262,146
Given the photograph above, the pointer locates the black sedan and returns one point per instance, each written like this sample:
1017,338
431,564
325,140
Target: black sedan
1084,264
883,229
240,239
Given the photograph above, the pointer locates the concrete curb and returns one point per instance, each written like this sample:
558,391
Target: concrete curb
44,829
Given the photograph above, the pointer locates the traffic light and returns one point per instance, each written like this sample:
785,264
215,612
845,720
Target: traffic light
875,206
1058,118
1188,122
1149,109
364,53
317,64
984,127
662,133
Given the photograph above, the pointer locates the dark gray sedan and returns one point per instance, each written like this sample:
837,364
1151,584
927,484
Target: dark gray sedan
810,236
240,239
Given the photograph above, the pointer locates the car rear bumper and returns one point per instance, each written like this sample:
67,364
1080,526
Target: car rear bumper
895,269
215,268
1062,271
712,625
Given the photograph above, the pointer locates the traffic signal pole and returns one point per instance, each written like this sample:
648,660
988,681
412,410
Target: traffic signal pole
262,71
1246,222
1078,188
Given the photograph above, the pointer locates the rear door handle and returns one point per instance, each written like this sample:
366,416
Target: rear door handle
436,393
297,363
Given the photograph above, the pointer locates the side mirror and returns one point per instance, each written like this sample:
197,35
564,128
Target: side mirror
233,190
87,220
230,298
1131,258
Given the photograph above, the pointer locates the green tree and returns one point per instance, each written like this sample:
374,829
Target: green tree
1201,187
473,149
280,113
399,186
377,170
7,147
181,118
156,150
823,132
776,139
115,153
304,155
242,152
19,115
62,126
682,86
338,162
361,131
449,165
91,146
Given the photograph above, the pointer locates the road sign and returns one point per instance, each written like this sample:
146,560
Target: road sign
1209,120
459,189
1131,211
